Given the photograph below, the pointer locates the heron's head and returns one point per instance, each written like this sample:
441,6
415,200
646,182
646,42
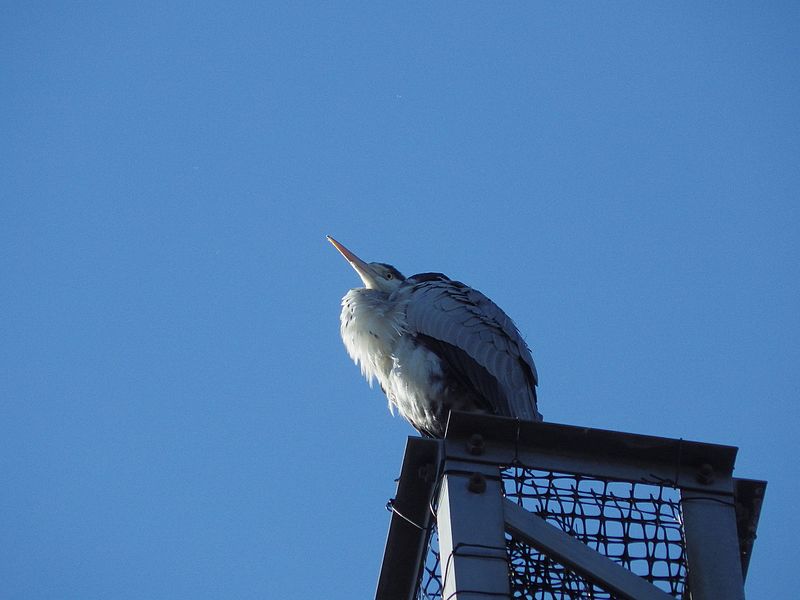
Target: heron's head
376,276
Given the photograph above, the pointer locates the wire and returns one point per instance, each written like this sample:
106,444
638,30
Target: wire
456,552
709,498
392,508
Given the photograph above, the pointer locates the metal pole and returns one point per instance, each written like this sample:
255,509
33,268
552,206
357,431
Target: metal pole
473,557
712,546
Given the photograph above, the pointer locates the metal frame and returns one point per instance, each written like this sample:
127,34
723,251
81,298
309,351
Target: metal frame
460,475
409,527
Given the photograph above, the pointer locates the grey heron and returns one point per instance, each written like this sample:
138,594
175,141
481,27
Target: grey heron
435,345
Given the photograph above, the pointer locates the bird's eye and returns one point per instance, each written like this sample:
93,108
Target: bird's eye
389,276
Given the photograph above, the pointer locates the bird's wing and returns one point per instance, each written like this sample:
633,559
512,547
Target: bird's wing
477,339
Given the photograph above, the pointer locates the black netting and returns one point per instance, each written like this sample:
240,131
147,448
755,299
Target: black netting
430,586
637,525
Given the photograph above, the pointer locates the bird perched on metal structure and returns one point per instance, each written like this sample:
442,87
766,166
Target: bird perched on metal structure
435,345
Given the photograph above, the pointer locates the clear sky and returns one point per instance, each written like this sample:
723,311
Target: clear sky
178,417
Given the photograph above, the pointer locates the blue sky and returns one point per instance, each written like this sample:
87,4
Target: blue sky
178,417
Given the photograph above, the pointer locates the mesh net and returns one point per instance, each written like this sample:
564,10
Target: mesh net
637,525
430,585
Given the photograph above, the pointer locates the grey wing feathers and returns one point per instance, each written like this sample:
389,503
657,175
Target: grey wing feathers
464,318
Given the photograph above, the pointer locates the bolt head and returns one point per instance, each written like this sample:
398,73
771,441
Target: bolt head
477,483
705,474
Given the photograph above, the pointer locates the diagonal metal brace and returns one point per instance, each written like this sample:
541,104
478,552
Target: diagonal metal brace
599,569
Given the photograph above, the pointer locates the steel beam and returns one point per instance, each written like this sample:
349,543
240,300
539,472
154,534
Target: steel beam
472,546
749,496
409,530
712,546
600,453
